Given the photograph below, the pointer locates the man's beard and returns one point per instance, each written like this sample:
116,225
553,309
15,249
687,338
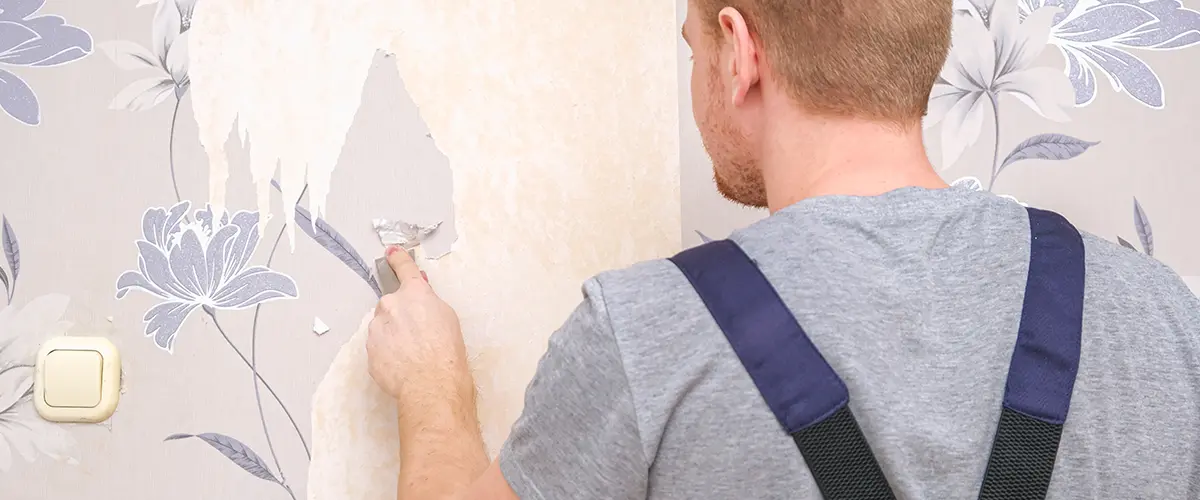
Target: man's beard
745,189
735,172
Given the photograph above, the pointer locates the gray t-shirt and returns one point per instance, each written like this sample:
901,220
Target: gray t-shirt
914,298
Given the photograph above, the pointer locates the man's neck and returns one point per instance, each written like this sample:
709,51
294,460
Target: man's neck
809,157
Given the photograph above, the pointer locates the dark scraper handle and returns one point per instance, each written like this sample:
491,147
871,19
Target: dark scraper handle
388,282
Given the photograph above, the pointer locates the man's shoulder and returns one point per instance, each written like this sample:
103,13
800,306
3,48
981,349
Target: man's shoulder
645,281
1136,299
641,293
1117,273
650,305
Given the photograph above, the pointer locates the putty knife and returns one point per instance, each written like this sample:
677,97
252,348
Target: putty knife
407,236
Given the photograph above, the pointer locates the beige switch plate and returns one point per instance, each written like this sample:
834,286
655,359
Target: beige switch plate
77,379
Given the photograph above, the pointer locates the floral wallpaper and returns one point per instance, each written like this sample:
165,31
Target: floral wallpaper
1021,106
143,143
105,183
167,60
23,434
201,260
33,40
996,45
105,226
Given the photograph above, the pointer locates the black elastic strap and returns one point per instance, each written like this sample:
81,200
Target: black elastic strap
840,459
1022,459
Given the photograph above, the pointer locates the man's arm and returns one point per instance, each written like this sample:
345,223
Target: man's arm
578,435
416,354
441,450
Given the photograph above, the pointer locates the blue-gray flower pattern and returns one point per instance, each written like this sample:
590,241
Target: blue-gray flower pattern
33,42
199,262
1097,35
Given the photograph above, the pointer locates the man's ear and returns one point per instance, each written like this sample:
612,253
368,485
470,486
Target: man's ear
742,70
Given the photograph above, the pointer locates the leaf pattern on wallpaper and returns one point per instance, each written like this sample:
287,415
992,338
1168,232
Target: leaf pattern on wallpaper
235,451
987,62
1047,147
1097,36
143,94
168,57
1141,224
18,100
33,42
147,92
12,253
23,329
333,241
328,237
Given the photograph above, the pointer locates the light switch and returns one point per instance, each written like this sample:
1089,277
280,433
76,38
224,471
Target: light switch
73,378
77,379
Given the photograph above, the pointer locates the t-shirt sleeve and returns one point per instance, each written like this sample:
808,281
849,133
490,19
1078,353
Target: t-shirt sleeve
578,434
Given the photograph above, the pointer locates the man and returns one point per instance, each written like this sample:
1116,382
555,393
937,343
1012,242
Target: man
951,320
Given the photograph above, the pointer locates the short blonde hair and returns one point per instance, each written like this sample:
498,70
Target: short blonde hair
872,59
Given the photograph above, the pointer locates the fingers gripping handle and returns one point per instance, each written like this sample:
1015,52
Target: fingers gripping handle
388,282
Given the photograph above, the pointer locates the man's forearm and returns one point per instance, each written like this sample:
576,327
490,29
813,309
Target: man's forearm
441,449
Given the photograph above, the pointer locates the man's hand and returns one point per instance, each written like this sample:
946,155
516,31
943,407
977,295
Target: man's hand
416,354
415,347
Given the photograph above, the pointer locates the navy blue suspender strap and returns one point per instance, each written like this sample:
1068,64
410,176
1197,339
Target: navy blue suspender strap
811,402
1045,361
807,397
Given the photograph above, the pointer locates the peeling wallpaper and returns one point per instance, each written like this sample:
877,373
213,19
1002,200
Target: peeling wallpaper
578,113
150,147
290,75
560,169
